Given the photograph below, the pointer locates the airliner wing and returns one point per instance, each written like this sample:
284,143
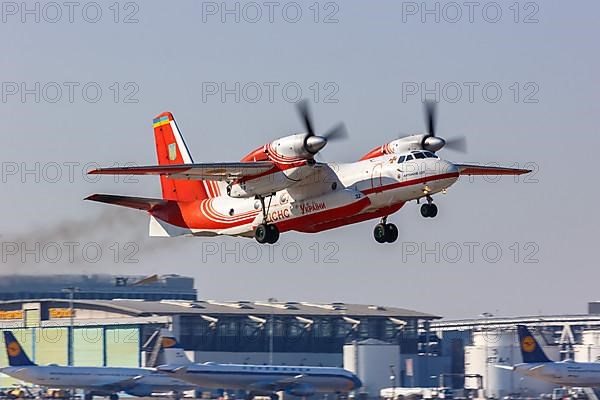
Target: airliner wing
473,169
205,171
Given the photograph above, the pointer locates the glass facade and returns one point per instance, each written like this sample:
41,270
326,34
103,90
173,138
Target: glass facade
291,334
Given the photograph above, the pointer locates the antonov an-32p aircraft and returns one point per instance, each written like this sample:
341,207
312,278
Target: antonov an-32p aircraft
279,187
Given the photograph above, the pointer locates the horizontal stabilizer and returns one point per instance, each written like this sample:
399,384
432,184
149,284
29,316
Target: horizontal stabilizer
472,169
141,203
206,171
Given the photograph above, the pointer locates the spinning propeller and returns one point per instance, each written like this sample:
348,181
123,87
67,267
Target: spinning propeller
434,143
313,143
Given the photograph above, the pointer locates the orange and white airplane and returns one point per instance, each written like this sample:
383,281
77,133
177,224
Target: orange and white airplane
279,187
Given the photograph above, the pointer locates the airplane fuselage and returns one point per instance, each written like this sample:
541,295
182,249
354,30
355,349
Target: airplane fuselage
266,379
327,196
137,381
564,373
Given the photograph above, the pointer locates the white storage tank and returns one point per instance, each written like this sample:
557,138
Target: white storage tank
370,360
501,347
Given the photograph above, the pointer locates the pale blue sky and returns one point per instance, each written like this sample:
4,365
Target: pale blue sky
367,55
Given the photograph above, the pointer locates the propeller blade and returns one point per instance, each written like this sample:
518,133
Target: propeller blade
430,116
303,110
338,132
458,143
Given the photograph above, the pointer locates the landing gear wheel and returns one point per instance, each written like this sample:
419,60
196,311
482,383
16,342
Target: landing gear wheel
88,396
273,234
261,234
379,233
266,233
114,396
429,210
432,210
391,233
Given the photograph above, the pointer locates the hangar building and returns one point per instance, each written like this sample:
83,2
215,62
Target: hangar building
117,332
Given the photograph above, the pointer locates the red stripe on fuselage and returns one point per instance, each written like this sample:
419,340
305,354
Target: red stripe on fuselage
411,182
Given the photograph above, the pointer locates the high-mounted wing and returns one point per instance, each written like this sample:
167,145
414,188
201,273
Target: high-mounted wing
207,171
472,169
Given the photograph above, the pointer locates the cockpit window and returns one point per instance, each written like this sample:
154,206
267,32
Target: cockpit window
419,155
401,159
429,154
409,157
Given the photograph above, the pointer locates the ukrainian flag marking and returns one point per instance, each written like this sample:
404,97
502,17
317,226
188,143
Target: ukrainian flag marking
160,121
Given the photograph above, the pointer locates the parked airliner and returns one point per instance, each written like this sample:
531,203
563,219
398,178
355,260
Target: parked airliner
265,380
95,381
565,373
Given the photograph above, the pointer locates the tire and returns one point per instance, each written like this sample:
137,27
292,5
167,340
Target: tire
379,233
433,210
114,396
425,210
261,234
88,396
273,234
391,233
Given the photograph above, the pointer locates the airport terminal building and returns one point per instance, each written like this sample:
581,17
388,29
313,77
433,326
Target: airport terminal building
112,321
116,330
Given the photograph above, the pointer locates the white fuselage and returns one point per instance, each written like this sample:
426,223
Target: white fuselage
564,373
101,379
269,378
327,192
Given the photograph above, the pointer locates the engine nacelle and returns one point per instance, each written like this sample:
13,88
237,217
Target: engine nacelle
140,391
302,390
290,148
407,143
271,182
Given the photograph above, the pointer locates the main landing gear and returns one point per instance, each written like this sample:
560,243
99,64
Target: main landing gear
384,232
265,232
429,210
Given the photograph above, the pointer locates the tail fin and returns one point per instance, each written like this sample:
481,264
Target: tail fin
14,351
531,351
173,353
170,150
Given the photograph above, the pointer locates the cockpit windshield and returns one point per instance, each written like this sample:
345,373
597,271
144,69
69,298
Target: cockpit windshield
416,155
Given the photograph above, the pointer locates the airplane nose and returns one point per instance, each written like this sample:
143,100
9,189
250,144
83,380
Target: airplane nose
314,143
444,167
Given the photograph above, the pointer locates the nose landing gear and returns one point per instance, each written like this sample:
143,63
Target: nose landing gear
429,210
384,232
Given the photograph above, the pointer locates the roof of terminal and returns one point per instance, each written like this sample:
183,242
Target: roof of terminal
209,307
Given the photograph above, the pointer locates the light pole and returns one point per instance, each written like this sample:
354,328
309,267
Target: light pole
71,290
